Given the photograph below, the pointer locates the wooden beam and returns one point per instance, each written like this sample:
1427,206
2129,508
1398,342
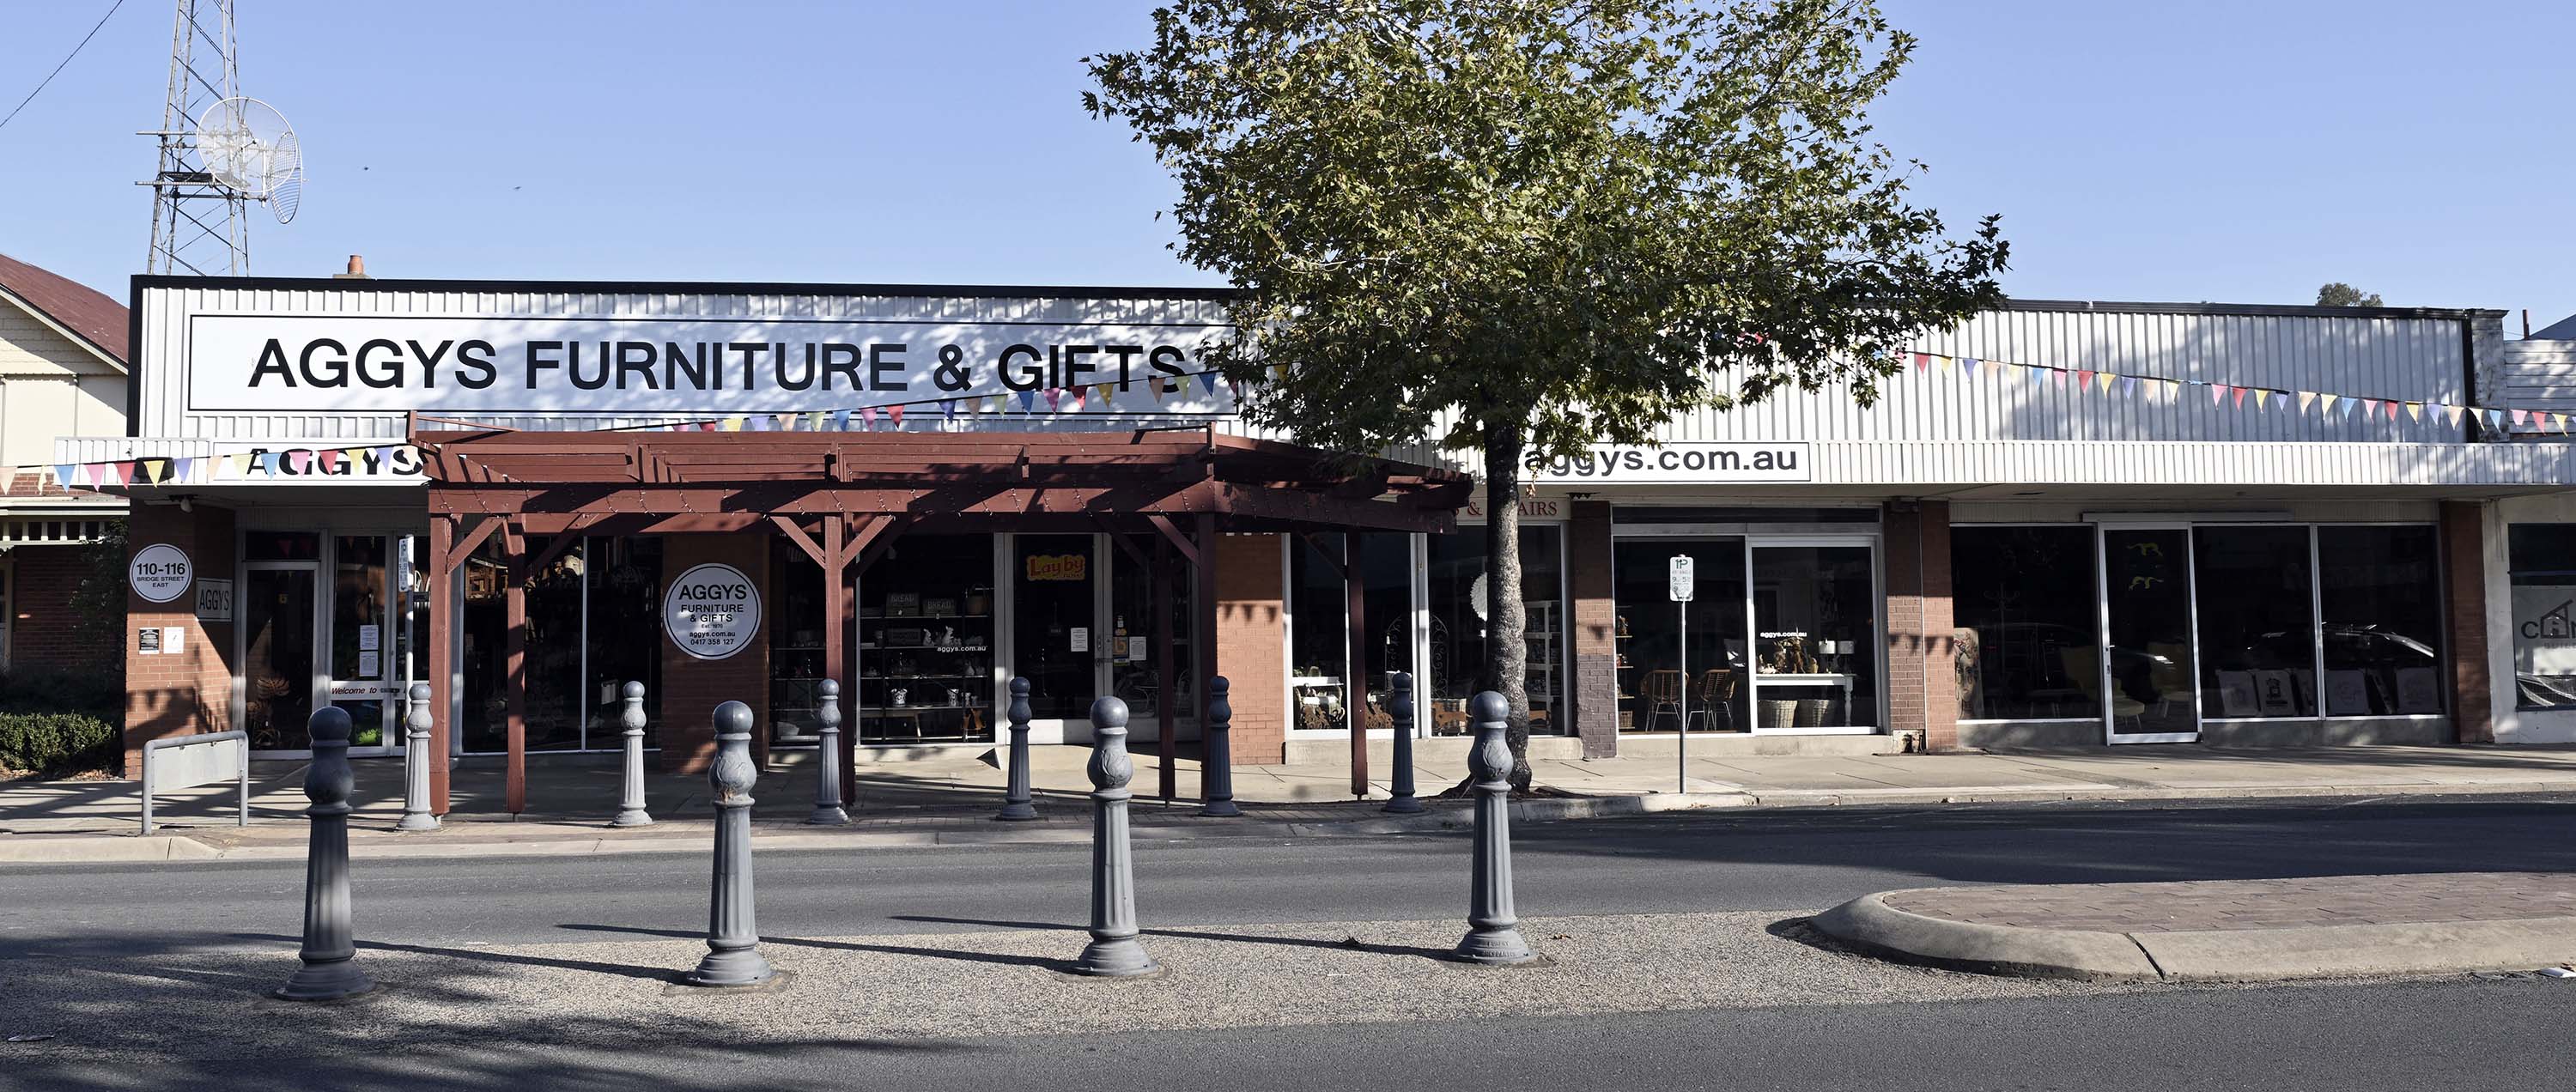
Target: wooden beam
1325,557
563,540
1203,571
863,534
888,530
1173,535
1134,552
461,549
805,542
837,616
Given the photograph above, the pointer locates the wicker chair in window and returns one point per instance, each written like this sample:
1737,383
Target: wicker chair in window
1716,697
1662,692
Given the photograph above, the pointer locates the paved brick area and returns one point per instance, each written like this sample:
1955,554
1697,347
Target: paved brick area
2230,905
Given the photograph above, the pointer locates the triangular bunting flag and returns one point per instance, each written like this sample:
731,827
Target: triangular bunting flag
2128,384
840,420
111,473
1923,363
1078,393
2326,403
1104,395
1968,367
868,416
2239,392
1028,400
1207,382
732,424
2103,380
949,408
182,469
1055,399
2262,397
63,474
998,404
2060,374
2083,379
1235,387
895,414
2452,414
1946,363
299,460
2305,399
2217,393
2392,408
2415,411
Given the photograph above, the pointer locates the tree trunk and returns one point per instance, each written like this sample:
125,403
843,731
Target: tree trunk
1506,654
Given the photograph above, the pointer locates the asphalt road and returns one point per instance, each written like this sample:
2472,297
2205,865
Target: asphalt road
2415,1036
1783,860
2449,1033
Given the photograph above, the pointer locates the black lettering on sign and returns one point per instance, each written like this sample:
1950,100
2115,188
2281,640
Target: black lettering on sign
477,355
272,358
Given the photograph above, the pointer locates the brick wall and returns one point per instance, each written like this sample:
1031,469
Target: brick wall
1251,645
1922,679
42,637
1595,686
2464,578
691,687
173,695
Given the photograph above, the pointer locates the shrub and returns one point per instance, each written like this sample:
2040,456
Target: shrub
56,743
100,694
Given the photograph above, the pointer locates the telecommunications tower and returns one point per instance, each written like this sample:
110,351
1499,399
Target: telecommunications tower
219,153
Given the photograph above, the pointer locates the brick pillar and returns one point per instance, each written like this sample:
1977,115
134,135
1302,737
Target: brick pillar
2464,581
1595,687
1922,677
691,687
174,695
1251,645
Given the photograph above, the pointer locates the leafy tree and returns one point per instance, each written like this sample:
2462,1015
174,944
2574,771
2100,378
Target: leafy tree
2340,294
1527,228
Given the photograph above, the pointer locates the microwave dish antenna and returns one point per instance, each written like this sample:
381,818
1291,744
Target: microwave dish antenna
248,148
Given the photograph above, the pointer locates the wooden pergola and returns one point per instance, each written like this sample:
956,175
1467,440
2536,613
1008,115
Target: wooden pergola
844,497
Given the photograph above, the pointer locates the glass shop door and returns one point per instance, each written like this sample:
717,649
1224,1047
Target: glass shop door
2151,677
280,616
1056,639
365,677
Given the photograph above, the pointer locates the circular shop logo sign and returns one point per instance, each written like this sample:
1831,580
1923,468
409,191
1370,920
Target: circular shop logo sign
711,611
159,572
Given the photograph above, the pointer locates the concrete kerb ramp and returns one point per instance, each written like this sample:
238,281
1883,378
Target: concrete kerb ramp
2225,931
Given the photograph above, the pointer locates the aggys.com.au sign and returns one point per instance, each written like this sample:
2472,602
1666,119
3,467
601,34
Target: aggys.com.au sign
1607,464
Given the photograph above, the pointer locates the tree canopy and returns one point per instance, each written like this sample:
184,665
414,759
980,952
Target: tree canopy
2339,294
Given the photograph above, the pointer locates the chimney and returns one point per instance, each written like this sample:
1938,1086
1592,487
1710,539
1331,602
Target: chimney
357,269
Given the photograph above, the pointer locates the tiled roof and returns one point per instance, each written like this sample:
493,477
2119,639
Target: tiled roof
79,308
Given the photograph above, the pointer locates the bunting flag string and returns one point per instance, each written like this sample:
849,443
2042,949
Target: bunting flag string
2326,404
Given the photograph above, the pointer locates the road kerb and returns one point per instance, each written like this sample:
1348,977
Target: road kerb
1871,925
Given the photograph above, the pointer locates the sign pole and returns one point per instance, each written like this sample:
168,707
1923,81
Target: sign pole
1681,579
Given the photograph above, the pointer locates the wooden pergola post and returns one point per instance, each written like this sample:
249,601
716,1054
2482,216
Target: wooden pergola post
1203,570
514,671
1356,689
442,665
1161,634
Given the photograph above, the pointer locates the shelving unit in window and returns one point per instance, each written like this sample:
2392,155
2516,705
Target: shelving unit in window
926,667
1540,635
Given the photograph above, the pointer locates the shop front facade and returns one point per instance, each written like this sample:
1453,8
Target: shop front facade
2057,524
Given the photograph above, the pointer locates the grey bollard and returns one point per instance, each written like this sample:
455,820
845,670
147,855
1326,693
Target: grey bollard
733,933
416,814
630,791
1016,803
1493,926
827,765
1399,708
1113,951
1216,761
330,970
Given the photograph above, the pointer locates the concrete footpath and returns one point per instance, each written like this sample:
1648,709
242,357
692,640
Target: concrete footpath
948,796
2226,930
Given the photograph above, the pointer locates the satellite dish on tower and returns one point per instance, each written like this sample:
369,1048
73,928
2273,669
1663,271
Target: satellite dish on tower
248,148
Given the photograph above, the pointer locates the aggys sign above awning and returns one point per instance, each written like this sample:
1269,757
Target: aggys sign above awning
489,364
1675,463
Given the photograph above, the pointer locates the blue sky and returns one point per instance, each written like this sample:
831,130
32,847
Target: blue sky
2237,152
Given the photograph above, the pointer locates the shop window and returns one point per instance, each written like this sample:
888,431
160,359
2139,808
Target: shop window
1662,684
281,546
2024,601
1455,666
926,635
552,655
1816,637
2257,623
622,580
2382,595
1320,632
1135,672
2542,559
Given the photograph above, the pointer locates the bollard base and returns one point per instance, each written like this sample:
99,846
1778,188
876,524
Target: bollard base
631,819
1493,948
730,967
415,822
1017,812
1120,958
325,982
828,816
1220,809
1403,805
